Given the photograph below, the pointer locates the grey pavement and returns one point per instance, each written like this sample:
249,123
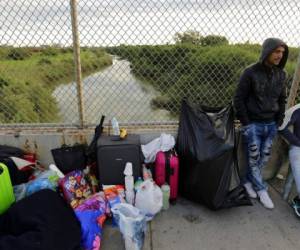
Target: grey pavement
190,226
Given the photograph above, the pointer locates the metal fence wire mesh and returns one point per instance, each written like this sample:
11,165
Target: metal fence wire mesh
139,58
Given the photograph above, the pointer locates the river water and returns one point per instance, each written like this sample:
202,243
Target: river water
113,91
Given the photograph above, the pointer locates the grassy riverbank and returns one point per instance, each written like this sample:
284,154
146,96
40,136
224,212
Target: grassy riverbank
28,77
203,74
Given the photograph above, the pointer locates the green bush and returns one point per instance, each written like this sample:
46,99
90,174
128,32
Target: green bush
26,85
293,54
4,52
25,103
50,51
44,61
214,40
3,83
204,74
18,54
188,37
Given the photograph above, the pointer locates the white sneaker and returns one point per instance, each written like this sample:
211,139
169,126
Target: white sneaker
265,199
252,194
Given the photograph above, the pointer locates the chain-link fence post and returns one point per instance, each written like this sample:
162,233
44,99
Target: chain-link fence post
76,48
295,85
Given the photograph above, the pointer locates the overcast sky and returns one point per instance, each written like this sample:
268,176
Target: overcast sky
113,22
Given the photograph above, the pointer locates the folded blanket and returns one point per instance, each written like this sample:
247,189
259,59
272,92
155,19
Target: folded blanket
42,221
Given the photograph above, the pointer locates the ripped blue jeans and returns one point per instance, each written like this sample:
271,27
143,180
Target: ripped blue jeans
258,138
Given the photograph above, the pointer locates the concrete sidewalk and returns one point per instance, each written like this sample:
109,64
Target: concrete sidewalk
190,226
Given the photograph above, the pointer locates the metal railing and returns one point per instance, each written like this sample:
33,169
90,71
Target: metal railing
66,63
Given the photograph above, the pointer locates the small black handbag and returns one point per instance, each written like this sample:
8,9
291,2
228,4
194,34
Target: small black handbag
69,158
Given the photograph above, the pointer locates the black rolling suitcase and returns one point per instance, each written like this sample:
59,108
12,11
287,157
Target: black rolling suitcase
112,156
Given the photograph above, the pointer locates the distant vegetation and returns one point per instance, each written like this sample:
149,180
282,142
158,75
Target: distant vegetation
203,69
195,38
28,76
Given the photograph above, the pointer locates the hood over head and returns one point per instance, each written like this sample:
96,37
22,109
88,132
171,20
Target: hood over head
269,45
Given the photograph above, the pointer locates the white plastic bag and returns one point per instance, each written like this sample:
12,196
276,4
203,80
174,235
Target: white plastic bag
132,224
149,199
167,142
164,143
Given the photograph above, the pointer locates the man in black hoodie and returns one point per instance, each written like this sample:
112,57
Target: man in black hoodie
260,103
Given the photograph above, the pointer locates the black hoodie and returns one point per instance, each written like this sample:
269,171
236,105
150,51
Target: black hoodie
261,93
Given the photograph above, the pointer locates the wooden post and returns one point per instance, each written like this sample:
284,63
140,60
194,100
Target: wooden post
76,48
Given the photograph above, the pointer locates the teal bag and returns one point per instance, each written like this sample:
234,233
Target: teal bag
6,190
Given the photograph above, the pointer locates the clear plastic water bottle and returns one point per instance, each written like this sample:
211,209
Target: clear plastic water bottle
115,126
129,183
166,195
129,196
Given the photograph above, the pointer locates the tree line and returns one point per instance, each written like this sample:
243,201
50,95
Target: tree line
203,69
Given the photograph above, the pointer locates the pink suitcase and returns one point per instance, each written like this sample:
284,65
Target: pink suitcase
167,170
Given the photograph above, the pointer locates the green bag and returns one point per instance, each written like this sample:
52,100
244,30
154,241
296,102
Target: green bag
6,190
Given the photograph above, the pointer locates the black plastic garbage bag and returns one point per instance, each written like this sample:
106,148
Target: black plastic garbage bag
207,152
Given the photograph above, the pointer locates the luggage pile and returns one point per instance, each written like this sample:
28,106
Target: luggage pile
116,177
84,187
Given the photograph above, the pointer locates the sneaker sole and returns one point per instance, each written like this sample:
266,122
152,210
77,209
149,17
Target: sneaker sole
295,209
270,208
253,197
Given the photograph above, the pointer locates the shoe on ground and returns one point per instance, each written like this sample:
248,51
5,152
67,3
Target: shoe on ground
248,186
296,206
265,199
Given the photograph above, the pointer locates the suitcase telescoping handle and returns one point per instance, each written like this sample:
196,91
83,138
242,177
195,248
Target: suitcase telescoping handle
169,170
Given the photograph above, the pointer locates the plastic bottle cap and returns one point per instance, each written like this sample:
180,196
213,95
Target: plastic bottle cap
165,187
138,183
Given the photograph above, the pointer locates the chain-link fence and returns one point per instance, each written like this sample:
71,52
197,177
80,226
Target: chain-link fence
138,59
